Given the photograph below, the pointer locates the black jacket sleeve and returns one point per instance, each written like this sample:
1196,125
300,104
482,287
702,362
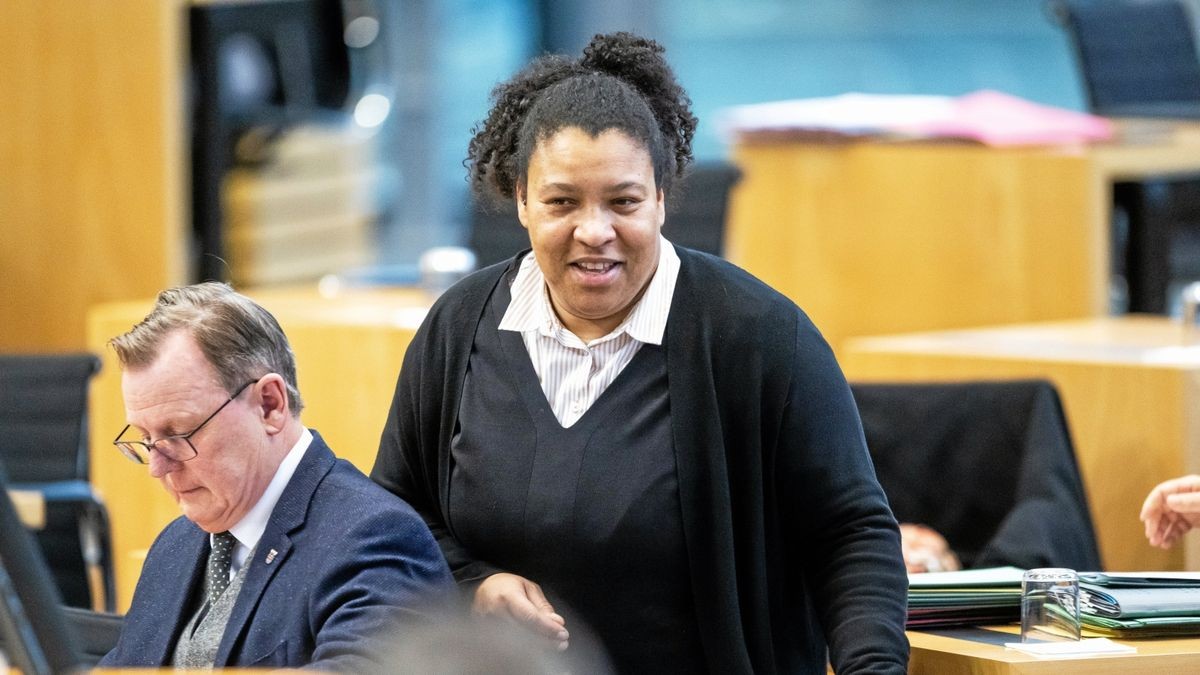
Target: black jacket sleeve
843,531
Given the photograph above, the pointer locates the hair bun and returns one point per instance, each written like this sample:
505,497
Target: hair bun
639,61
627,61
622,54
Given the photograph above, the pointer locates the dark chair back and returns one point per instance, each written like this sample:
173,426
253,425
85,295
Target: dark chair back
43,416
1136,57
696,213
34,635
495,233
989,465
44,428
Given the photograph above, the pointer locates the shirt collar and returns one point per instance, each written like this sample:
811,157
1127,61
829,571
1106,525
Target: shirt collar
530,309
251,527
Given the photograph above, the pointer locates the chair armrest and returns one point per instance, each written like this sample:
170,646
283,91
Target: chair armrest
97,632
61,490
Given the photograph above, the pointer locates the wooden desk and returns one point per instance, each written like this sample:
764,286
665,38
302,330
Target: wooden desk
939,655
1131,390
348,347
875,238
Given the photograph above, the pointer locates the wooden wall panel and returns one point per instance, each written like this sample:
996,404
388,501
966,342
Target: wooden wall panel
92,161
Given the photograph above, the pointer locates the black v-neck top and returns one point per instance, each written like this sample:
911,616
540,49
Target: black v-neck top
789,539
590,512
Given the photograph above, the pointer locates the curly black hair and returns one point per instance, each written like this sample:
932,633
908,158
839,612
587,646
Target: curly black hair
621,82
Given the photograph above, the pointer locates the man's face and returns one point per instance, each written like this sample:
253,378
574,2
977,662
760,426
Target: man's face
232,467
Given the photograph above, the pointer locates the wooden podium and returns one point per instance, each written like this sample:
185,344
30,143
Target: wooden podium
872,237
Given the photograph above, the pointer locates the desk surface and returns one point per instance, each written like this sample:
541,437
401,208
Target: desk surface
1144,341
1149,147
939,654
1140,148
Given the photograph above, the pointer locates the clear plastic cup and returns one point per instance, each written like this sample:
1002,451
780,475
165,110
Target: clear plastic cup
1049,605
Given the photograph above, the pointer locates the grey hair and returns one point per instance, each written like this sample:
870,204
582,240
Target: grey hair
237,336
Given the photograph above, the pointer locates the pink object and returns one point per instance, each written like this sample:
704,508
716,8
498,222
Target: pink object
998,119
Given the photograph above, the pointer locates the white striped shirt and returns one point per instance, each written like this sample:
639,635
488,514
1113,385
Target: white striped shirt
573,373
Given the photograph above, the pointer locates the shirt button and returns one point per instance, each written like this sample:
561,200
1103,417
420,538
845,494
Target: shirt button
576,406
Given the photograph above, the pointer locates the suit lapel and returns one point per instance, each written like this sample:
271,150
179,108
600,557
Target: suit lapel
275,546
177,587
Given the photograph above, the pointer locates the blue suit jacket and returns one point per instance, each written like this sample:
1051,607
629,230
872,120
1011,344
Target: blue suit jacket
341,561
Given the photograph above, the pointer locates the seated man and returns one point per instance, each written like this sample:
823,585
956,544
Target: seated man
285,556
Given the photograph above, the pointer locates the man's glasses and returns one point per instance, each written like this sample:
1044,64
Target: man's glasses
178,448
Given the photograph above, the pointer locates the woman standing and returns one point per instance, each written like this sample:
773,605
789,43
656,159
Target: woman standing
615,432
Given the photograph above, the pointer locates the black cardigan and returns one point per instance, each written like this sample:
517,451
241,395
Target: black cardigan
789,537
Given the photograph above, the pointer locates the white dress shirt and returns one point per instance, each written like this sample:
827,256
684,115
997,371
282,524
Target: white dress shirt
574,373
252,525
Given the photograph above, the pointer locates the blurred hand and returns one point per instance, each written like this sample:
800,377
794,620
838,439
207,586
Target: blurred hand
925,550
519,599
1171,509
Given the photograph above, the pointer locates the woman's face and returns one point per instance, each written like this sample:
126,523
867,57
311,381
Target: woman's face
593,213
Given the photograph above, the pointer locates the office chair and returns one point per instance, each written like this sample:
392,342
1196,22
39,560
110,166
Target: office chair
495,233
696,212
44,447
1138,58
989,465
34,635
696,216
95,633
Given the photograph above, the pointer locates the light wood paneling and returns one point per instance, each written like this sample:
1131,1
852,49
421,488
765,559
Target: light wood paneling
92,168
871,238
348,348
1130,390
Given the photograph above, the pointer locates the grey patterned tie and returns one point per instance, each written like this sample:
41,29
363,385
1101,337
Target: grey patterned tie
219,560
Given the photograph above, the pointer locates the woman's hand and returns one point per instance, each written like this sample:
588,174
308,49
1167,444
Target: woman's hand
519,599
925,550
1171,509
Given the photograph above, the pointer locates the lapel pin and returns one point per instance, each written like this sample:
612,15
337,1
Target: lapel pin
271,555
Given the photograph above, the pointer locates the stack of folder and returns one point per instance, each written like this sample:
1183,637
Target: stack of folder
1140,604
967,598
1123,605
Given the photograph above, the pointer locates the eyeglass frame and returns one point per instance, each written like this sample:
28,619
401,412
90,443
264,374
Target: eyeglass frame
133,456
